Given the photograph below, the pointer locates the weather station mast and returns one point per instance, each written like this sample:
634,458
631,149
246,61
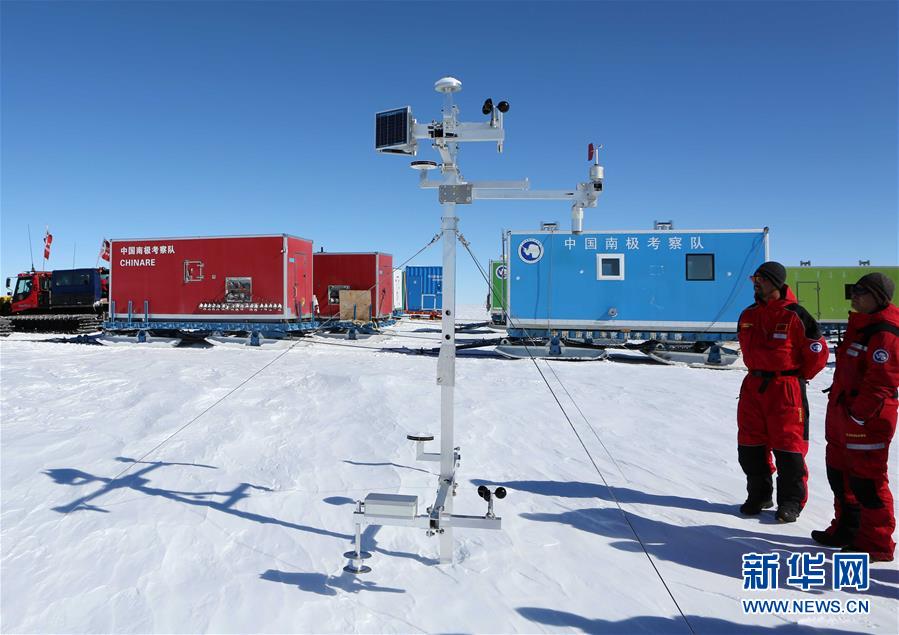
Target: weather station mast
397,132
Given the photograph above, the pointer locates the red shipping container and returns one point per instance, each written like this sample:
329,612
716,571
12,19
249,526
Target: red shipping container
356,272
212,278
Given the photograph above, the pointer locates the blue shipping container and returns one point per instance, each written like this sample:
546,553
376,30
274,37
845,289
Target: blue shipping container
424,288
646,280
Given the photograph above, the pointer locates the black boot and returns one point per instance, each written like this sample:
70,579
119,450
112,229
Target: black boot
843,529
831,538
754,508
791,491
759,487
788,512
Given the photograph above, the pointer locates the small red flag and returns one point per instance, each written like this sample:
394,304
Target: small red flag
48,240
104,251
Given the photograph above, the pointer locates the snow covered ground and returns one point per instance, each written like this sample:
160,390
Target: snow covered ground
238,523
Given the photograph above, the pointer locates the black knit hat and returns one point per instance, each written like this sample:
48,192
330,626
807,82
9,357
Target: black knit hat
879,285
774,272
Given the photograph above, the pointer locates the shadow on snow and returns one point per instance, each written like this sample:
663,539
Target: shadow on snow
137,481
326,584
653,624
713,548
578,489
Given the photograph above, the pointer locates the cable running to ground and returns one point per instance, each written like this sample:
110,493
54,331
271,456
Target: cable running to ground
548,365
587,451
336,318
241,384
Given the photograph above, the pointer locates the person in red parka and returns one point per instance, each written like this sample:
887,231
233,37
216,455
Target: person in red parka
861,421
783,349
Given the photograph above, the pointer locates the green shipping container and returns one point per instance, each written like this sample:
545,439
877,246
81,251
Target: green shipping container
824,291
498,275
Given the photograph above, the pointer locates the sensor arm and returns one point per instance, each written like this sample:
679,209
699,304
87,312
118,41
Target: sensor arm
462,131
585,195
586,199
524,184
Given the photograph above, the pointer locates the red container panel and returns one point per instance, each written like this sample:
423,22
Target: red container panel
215,278
385,285
299,277
357,272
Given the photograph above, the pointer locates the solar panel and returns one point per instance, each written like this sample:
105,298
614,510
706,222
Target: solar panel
392,128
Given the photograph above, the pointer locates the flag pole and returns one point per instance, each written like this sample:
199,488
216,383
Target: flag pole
30,248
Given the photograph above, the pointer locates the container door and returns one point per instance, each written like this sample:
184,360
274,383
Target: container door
438,290
398,294
43,298
809,296
301,304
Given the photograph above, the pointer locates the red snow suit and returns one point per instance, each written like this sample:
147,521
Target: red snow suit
782,348
861,421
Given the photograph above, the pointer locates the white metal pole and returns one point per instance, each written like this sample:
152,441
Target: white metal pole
446,365
445,138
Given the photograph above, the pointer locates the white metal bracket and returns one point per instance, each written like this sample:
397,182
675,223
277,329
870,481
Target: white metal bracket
455,193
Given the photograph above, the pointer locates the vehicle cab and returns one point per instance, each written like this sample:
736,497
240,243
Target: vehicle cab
31,292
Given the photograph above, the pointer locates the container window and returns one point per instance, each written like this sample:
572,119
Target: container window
610,266
334,292
700,266
238,289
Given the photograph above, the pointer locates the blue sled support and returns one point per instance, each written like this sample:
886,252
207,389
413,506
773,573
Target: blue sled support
620,337
266,329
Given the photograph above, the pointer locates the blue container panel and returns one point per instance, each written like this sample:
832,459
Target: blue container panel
424,288
633,280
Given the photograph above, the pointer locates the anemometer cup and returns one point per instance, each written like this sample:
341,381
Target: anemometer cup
485,493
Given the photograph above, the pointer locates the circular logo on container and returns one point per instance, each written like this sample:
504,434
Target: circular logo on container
816,347
880,356
530,250
502,272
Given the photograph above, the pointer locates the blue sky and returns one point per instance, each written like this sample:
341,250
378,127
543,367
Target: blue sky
134,119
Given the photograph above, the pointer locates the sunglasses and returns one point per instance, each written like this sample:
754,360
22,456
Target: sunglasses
858,291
